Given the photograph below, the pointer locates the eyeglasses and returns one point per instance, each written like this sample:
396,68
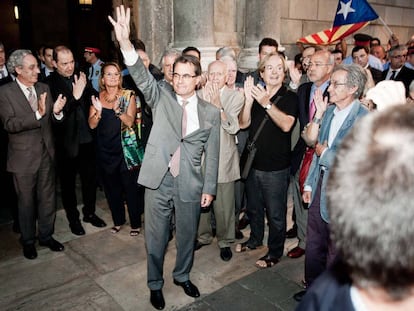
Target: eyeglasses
111,74
336,84
317,64
399,56
185,77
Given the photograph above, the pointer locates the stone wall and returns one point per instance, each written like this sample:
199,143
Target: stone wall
211,24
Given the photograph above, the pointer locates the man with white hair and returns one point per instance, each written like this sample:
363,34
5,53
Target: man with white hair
372,215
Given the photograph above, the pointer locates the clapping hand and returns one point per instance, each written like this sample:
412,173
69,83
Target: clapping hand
41,104
321,103
59,104
248,85
261,95
79,85
97,104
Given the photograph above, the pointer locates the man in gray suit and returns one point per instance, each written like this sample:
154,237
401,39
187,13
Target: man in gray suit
186,125
26,110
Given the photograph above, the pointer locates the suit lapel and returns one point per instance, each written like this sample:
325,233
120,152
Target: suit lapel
20,97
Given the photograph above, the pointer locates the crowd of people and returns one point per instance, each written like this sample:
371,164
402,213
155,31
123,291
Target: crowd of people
167,144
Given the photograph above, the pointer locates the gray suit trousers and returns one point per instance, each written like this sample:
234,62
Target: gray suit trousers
159,206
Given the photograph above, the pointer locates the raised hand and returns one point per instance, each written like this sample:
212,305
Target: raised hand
122,27
59,104
79,85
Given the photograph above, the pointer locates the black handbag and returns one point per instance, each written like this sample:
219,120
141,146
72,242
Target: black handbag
249,151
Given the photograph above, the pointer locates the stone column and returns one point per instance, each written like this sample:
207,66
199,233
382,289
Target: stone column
262,19
153,19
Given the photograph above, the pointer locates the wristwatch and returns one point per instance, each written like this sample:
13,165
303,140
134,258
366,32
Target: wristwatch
221,109
268,106
316,120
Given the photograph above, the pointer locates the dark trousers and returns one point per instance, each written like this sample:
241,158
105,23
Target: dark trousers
267,193
320,252
84,164
36,197
120,187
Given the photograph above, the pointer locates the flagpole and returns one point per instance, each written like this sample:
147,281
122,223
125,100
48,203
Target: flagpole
386,26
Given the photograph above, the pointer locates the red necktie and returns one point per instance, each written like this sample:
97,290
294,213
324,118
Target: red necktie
32,99
312,110
175,160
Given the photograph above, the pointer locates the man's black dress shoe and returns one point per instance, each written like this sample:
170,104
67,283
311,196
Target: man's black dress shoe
54,245
292,233
189,288
76,228
29,251
94,221
299,295
157,299
225,253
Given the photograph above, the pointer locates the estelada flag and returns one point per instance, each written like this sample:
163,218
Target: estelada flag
351,15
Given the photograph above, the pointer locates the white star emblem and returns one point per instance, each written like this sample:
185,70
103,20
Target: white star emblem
345,9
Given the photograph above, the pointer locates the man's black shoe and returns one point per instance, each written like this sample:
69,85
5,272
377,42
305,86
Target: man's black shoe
292,233
54,245
157,299
29,251
189,288
225,253
76,228
94,221
299,295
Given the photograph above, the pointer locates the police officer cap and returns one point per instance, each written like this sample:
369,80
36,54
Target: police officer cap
362,39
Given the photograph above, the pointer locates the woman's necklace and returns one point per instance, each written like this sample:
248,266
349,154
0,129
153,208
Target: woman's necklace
110,100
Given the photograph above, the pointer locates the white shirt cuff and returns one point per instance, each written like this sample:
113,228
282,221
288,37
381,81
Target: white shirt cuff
38,116
59,116
130,57
307,188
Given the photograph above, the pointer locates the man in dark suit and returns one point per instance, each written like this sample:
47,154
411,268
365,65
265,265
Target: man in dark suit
185,130
75,150
397,71
360,56
371,218
6,180
319,71
47,69
26,110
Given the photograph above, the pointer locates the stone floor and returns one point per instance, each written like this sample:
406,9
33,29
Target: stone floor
105,271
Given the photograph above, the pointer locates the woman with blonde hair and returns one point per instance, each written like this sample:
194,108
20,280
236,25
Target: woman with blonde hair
115,115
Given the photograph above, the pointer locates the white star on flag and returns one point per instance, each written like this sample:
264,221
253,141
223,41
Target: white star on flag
345,9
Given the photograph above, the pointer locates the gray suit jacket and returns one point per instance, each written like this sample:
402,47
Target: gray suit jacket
165,137
357,112
26,134
232,102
